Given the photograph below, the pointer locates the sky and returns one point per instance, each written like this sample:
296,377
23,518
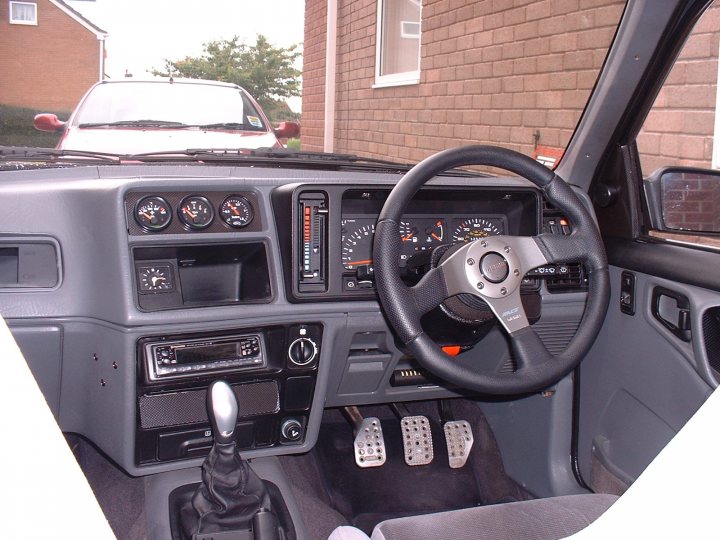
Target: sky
143,33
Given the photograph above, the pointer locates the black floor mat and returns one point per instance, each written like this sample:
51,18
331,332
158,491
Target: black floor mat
368,496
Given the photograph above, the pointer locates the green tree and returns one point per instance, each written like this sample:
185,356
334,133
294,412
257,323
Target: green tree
266,71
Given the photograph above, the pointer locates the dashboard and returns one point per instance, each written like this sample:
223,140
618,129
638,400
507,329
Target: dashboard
143,283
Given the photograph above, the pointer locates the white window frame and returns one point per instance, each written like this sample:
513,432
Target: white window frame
19,21
395,79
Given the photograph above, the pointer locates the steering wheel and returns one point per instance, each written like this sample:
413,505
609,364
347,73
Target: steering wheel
492,269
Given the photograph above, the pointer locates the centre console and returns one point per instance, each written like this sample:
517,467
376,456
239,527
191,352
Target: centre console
271,369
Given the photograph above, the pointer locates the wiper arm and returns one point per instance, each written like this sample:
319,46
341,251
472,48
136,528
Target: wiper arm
29,153
288,153
221,125
134,123
274,156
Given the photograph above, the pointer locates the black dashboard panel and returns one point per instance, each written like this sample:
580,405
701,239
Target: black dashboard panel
331,226
175,200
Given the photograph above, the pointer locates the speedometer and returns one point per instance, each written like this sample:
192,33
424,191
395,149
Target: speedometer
474,229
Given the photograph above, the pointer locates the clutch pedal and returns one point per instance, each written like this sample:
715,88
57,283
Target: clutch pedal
459,439
369,444
417,440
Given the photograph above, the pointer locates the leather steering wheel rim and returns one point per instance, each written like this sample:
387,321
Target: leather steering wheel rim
492,269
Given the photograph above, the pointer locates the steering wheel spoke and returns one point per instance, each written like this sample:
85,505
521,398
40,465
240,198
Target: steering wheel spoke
509,311
561,249
530,352
430,291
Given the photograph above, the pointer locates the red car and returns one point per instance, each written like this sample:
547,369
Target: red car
164,115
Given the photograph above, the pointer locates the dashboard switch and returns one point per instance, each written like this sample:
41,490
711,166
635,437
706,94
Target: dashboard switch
627,293
302,351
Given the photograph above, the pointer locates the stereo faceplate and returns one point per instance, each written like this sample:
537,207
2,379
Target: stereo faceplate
167,360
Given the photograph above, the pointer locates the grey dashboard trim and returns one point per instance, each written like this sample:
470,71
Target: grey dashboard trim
95,304
10,238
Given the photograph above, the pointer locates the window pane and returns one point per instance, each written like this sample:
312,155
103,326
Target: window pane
192,104
400,52
22,12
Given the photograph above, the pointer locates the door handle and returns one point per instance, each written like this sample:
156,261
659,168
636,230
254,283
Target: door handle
672,310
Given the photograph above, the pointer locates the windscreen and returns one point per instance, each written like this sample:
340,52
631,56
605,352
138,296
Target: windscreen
188,104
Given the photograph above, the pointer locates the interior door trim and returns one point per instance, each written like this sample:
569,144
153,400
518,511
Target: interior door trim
676,263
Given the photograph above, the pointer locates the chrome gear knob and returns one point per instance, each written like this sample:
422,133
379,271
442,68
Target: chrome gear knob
222,407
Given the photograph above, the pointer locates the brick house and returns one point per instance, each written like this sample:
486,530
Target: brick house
511,72
49,55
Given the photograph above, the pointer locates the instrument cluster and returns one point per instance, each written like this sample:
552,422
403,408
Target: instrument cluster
417,233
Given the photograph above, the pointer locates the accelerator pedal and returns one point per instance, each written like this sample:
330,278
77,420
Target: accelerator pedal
459,439
369,444
417,440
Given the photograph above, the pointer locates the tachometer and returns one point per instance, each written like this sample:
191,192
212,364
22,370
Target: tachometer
357,244
474,229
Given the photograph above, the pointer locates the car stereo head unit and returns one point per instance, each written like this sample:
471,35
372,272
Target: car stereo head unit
191,357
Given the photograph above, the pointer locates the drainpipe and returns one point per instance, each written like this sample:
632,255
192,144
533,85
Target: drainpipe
330,62
716,131
102,58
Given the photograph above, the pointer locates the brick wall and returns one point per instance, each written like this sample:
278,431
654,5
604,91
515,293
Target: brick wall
679,128
313,101
48,66
493,71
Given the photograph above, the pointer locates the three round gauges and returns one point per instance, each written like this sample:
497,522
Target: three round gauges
195,212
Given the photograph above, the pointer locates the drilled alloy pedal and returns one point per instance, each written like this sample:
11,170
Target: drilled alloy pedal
370,444
417,439
459,439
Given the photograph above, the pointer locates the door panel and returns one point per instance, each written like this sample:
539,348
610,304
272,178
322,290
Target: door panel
641,382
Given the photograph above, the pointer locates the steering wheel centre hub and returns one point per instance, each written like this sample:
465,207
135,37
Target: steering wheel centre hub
494,267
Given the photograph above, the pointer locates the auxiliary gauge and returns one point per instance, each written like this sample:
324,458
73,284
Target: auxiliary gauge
153,213
236,211
196,212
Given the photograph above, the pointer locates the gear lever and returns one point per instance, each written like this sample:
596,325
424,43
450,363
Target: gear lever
222,407
231,498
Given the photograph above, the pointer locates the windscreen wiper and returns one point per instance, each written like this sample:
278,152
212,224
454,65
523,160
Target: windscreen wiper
30,153
274,157
278,157
221,125
135,123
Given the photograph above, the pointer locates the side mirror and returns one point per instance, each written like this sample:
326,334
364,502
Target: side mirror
287,130
684,199
48,122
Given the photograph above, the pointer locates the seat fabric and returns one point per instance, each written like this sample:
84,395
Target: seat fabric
537,519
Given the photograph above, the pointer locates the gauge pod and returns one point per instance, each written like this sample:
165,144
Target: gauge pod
196,212
153,213
236,212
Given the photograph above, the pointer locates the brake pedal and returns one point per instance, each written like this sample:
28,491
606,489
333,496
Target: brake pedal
459,439
417,440
369,444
